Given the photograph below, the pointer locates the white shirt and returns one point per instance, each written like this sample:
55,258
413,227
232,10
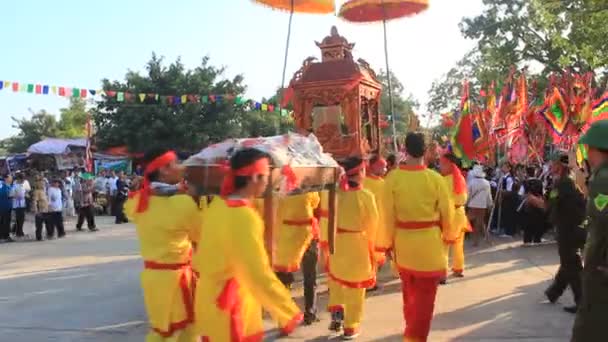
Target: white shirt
480,194
18,194
113,188
26,185
55,200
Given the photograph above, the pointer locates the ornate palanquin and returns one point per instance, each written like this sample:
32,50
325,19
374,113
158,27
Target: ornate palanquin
337,100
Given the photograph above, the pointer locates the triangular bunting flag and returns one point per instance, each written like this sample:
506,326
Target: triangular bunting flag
61,91
23,88
239,100
212,98
54,89
204,99
110,93
120,96
92,92
75,92
15,86
45,89
7,84
270,108
184,98
30,88
218,98
264,107
142,97
68,92
1,84
83,93
38,89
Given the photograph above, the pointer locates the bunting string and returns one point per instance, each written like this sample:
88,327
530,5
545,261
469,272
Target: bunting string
136,98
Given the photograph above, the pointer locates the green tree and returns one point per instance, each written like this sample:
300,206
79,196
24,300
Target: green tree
555,34
403,106
72,120
186,126
41,125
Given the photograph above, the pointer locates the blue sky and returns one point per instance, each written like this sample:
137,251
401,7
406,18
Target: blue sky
77,43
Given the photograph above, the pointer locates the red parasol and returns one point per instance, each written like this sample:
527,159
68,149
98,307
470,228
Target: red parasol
300,6
366,11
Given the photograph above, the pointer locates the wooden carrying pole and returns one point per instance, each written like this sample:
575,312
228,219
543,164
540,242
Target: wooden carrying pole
269,218
332,211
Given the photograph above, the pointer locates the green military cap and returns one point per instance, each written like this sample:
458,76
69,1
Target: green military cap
596,136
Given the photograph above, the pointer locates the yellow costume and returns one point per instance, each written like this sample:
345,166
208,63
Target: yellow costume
419,214
165,231
352,268
461,224
237,280
323,215
376,186
297,227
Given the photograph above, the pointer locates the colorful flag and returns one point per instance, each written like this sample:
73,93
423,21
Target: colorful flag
462,136
555,113
600,108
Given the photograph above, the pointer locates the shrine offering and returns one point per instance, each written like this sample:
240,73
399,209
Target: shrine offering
299,163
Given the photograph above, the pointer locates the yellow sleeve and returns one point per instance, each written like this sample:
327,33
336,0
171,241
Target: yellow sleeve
372,218
445,204
314,199
186,208
385,241
252,265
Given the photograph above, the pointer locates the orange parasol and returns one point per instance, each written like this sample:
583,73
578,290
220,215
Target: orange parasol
366,11
300,6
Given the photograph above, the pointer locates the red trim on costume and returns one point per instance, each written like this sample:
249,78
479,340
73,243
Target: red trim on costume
229,301
313,222
187,293
379,163
460,271
460,184
424,274
146,191
259,167
350,331
381,249
292,324
352,172
257,337
449,242
417,224
335,308
324,244
365,284
237,202
374,177
323,213
286,269
412,167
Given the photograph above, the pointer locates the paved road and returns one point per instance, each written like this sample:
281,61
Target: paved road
86,288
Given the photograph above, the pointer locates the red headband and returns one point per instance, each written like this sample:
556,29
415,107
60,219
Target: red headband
146,191
379,163
259,167
460,184
352,172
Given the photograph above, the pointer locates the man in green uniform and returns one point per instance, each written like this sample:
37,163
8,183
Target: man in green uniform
592,316
567,212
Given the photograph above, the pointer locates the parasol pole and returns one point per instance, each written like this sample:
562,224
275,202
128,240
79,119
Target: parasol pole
390,87
278,125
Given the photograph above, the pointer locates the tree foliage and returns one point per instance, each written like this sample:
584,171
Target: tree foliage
41,125
403,106
540,36
188,126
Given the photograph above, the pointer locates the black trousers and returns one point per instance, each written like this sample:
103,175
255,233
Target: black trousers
119,211
590,322
309,272
39,220
88,214
534,224
5,224
56,223
568,274
19,220
508,215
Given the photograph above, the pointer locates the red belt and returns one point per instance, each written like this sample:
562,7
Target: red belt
305,222
417,224
323,213
187,293
370,245
342,230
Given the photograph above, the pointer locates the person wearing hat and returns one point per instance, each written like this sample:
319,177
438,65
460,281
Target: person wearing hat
566,213
590,322
480,200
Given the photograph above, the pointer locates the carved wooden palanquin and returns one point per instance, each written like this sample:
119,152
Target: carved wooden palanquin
337,100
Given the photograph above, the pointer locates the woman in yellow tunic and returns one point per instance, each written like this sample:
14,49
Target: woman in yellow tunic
352,267
166,225
374,182
450,169
322,214
419,214
233,262
298,227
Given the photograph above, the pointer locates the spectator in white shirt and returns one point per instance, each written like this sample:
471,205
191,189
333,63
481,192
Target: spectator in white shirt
55,214
18,195
480,200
